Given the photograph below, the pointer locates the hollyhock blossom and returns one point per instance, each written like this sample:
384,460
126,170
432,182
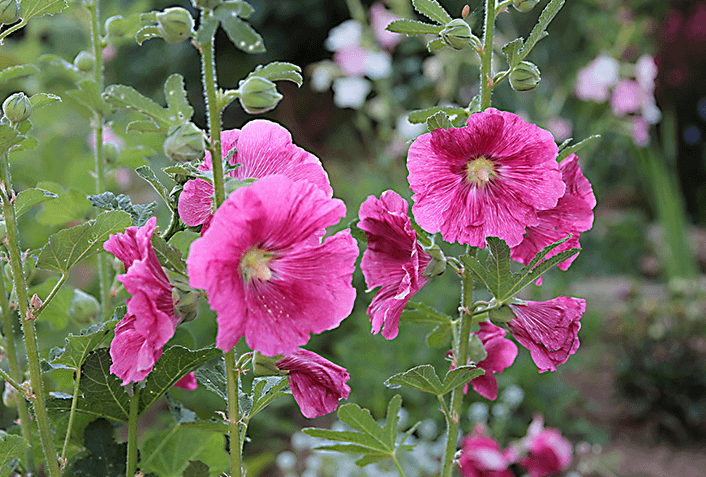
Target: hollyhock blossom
548,452
150,320
573,214
481,457
188,382
380,17
394,260
640,131
317,384
267,273
489,178
627,97
594,81
263,148
501,354
548,329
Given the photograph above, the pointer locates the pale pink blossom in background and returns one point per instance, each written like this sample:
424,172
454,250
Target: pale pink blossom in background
560,128
351,60
188,382
646,73
351,92
380,17
481,457
627,97
640,131
109,53
109,136
594,81
548,452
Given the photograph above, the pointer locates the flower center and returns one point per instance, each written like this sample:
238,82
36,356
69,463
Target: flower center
254,265
479,171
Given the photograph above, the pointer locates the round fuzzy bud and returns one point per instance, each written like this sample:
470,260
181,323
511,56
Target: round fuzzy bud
525,76
206,4
185,143
116,26
258,95
9,11
524,6
456,34
84,307
85,61
175,24
17,107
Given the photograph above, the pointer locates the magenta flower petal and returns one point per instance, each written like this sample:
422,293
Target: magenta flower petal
394,260
268,276
317,384
489,178
548,451
188,382
501,354
481,457
548,329
196,202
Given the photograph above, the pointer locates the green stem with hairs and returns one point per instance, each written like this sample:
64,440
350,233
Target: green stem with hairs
486,56
72,413
132,432
233,376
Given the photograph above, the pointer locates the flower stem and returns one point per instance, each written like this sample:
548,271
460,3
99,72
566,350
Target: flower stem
233,376
28,329
51,295
486,57
132,432
74,401
461,352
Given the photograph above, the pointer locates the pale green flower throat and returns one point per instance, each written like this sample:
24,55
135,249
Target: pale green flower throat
479,171
254,265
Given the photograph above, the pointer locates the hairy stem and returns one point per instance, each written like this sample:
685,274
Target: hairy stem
233,376
486,57
132,432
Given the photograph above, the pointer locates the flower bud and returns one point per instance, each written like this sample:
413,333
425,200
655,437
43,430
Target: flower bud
207,4
457,34
186,300
17,107
437,265
258,95
476,350
116,26
175,24
266,365
501,315
84,307
185,143
9,11
524,6
84,61
525,76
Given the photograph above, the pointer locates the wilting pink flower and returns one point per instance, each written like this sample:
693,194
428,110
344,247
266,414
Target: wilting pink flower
481,457
380,17
317,384
394,260
548,451
573,214
593,82
267,273
548,329
150,321
489,178
501,354
263,148
188,382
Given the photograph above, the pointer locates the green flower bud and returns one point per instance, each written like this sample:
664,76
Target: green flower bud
175,24
185,143
258,95
457,34
266,365
476,350
185,298
84,61
84,307
524,6
525,76
207,4
501,315
437,265
9,11
116,26
17,107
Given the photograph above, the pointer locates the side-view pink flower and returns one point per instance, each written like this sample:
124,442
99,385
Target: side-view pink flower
317,384
490,178
548,329
150,321
501,354
481,457
548,452
267,273
394,260
263,148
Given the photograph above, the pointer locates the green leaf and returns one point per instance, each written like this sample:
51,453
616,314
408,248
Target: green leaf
196,468
29,198
147,32
435,44
40,100
206,30
531,273
88,95
421,378
38,8
460,376
18,71
177,102
139,213
240,33
58,312
432,10
511,50
188,418
79,346
69,246
169,453
147,174
540,29
70,205
8,137
567,150
168,256
143,126
439,120
68,69
213,378
496,274
416,312
237,7
171,367
421,115
278,71
103,456
413,27
11,446
266,390
440,336
126,97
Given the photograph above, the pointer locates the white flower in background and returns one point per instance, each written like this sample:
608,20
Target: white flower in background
350,92
408,130
322,75
377,65
344,35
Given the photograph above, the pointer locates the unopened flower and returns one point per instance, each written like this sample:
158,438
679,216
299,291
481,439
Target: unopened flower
188,382
481,457
175,24
267,273
548,452
317,384
150,321
17,107
394,260
490,178
9,11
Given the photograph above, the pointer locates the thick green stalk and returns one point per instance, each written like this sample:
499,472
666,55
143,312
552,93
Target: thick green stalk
28,329
461,353
233,376
132,432
486,57
15,373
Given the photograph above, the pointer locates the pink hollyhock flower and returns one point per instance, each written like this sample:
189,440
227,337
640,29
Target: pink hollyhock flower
640,131
548,451
380,17
263,148
501,354
481,457
150,320
317,384
573,214
351,60
548,329
188,382
593,82
489,178
267,273
394,260
627,97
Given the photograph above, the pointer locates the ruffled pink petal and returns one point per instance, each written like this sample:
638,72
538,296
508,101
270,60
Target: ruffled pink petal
188,382
501,354
196,202
548,451
481,457
317,384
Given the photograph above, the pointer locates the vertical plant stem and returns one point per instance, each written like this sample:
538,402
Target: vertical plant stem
461,353
28,329
132,432
233,376
486,57
74,401
11,353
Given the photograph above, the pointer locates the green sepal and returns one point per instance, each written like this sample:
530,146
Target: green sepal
413,27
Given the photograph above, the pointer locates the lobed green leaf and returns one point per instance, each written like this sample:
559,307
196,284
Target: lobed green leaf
279,71
140,213
11,446
460,376
9,137
17,71
422,378
417,312
421,115
169,453
38,8
40,100
196,468
30,197
439,120
177,103
78,347
240,33
266,390
213,378
433,10
126,97
169,257
103,456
